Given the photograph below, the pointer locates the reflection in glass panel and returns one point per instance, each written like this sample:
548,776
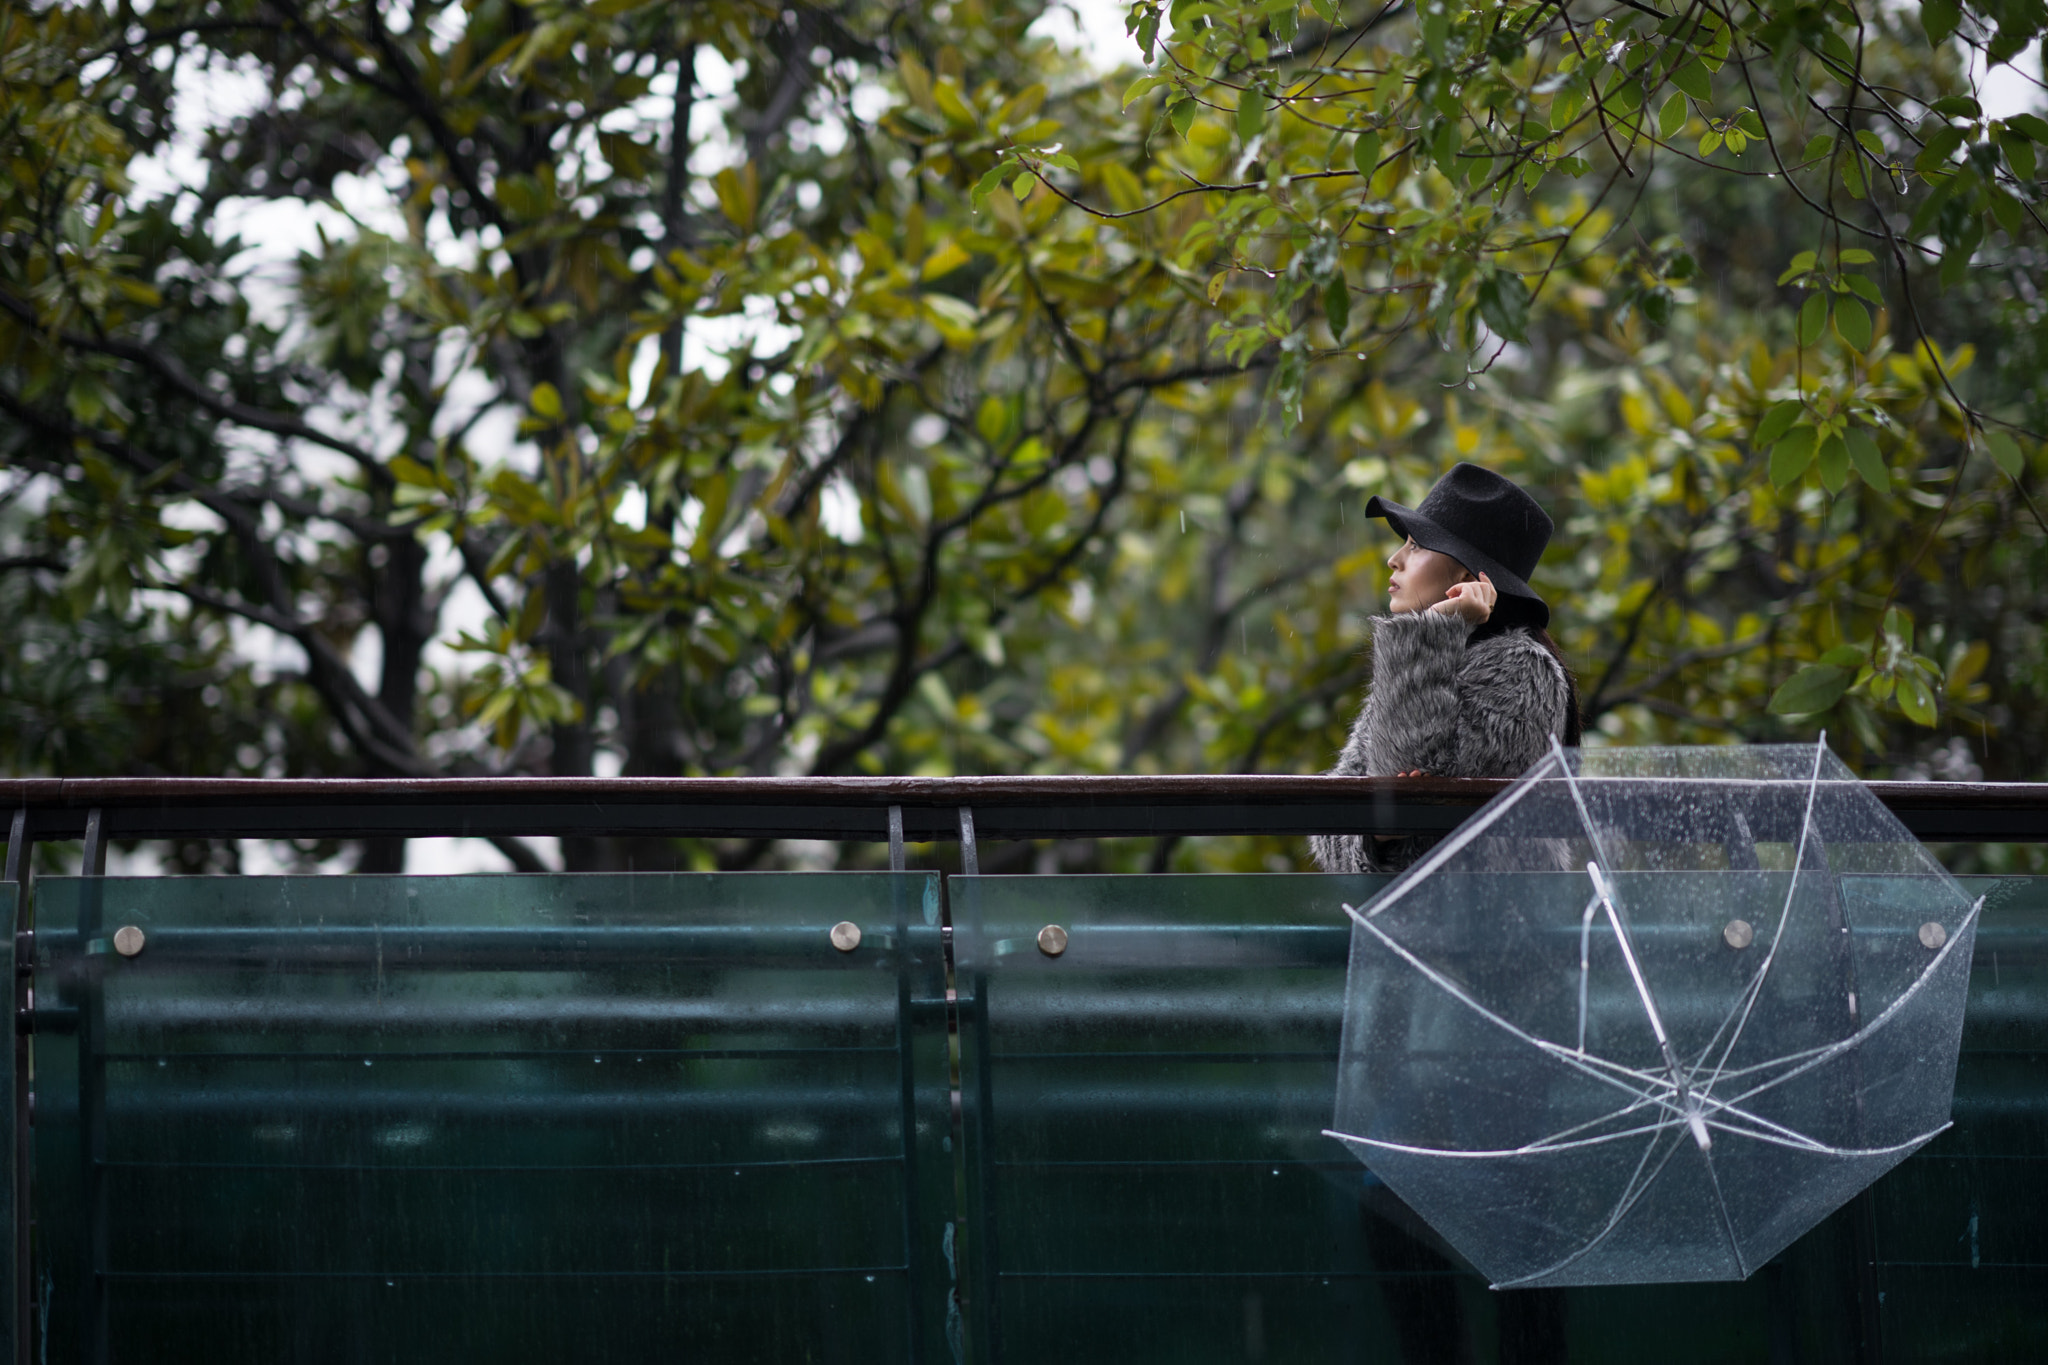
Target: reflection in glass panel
494,1118
1145,1166
1144,1124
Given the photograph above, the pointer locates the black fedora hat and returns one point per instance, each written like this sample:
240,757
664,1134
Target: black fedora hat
1485,522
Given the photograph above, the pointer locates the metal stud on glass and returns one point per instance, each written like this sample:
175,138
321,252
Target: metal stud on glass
1052,940
846,936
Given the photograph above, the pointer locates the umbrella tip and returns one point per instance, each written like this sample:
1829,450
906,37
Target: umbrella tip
1699,1131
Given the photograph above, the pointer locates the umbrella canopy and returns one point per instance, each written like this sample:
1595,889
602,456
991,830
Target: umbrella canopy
1653,1013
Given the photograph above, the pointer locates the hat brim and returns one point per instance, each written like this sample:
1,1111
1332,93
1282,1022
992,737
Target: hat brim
1431,536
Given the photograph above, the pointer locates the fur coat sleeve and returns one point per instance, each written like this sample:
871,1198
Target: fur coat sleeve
1449,708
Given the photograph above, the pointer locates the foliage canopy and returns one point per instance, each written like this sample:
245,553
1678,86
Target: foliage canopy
836,388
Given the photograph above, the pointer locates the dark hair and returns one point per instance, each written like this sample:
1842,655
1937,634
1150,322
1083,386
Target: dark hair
1507,616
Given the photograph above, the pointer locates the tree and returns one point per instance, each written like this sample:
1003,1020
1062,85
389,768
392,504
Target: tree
909,405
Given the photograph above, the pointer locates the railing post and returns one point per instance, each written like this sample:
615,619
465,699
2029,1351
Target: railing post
92,1087
906,1075
980,1117
14,1170
895,838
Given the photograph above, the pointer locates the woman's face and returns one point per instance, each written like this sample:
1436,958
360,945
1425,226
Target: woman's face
1421,578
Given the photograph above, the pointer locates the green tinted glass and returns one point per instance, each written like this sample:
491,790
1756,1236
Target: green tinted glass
1959,1245
479,1118
1143,1116
524,1118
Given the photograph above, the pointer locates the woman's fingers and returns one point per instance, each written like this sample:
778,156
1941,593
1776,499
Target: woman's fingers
1471,600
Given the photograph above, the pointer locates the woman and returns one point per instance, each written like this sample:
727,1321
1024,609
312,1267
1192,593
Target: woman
1466,681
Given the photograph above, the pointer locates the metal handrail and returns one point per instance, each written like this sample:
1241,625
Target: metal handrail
856,808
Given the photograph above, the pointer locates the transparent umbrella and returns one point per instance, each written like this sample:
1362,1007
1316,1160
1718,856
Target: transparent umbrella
1653,1013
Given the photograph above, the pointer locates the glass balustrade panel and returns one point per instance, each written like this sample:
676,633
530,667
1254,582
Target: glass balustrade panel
490,1118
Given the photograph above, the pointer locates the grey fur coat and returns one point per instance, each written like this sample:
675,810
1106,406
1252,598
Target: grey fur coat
1487,710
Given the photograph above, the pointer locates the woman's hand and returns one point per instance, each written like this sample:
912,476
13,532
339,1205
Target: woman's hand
1473,601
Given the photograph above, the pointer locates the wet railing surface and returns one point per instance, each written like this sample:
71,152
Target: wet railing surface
641,1116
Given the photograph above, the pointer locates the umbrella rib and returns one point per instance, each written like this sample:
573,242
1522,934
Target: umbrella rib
1635,972
1631,1195
1603,886
1822,1149
1716,1114
1585,965
1721,1208
1756,985
1834,1050
1543,1148
1561,1134
1723,1073
1456,992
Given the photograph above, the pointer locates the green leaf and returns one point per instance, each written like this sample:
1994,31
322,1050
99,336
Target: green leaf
2019,153
1813,688
1777,420
1852,320
1443,148
1898,627
1833,459
739,194
1939,147
1504,305
1365,153
2005,453
1564,106
1337,307
1710,142
1853,178
1801,263
1251,114
1939,18
1916,699
1182,116
1692,78
1957,106
1140,87
547,402
991,180
1671,118
993,418
1868,463
1813,316
1846,656
1436,32
1818,146
2033,125
1791,456
1023,185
